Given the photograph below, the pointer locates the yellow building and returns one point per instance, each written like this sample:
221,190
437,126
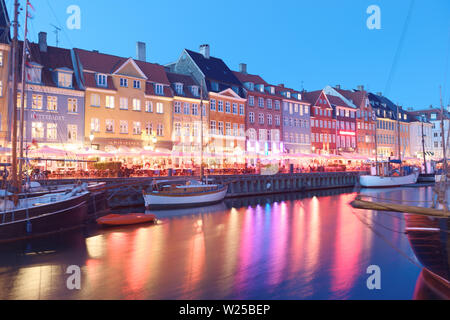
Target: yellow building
128,102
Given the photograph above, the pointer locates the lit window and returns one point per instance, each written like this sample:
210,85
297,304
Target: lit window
123,127
110,102
64,80
52,103
72,105
136,105
52,132
159,108
37,102
72,132
37,130
123,103
148,106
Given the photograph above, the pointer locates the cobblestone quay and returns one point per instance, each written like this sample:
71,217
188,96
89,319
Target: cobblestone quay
126,192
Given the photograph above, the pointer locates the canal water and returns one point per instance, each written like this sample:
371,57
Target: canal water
293,246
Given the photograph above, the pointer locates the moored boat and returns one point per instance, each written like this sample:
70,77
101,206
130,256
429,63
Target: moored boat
44,215
126,219
367,181
190,194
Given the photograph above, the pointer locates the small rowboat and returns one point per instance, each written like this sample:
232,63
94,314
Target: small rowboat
126,219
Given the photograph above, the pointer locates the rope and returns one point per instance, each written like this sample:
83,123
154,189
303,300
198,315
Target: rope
411,201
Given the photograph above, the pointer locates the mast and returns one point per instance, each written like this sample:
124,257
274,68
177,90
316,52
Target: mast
376,140
201,132
423,148
443,136
14,94
398,135
22,110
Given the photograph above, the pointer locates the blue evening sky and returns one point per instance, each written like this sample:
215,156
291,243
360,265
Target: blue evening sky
299,43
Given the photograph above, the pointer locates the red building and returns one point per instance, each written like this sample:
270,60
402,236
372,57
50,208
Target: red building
323,124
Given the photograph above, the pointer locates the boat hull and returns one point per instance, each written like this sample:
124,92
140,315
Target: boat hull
385,182
426,178
44,220
156,200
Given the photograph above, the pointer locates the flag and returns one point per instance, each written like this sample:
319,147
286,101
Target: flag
31,6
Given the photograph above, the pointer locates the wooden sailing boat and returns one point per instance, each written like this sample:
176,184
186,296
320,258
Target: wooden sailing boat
39,216
191,193
381,181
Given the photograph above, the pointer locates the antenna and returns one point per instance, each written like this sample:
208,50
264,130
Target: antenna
57,30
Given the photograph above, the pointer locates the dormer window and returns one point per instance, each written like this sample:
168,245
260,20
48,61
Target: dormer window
179,88
34,73
102,80
272,90
214,86
159,89
64,80
194,90
288,94
261,88
299,96
250,86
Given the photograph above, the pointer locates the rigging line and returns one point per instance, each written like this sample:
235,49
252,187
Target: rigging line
446,65
389,243
59,24
399,49
384,227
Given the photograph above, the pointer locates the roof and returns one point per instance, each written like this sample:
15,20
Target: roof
383,103
428,112
5,36
336,101
54,58
214,69
245,77
108,64
358,97
312,96
187,82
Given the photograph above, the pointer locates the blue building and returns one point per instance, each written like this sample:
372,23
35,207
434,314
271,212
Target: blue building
54,104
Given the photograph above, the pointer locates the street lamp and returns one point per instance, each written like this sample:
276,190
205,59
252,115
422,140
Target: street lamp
91,138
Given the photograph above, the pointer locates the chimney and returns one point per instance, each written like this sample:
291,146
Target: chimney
379,94
360,88
281,85
43,41
204,50
141,51
338,86
243,68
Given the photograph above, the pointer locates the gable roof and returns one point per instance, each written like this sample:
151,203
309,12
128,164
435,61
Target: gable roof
312,96
187,82
358,97
245,77
108,64
214,68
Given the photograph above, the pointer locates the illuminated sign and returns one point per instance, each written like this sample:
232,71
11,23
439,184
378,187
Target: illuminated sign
347,133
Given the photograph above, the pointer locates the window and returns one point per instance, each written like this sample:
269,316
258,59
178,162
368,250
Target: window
177,128
149,128
159,89
179,88
177,107
110,102
261,118
137,85
213,105
123,127
277,105
52,132
241,110
195,109
37,130
228,129
72,105
277,120
36,102
242,130
136,104
159,108
1,58
148,106
160,130
227,107
136,127
95,100
251,101
235,129
64,80
109,125
235,108
187,108
220,106
261,102
101,80
220,127
187,130
52,103
123,103
214,86
212,127
34,74
269,103
72,132
95,125
269,119
251,117
123,82
1,88
194,90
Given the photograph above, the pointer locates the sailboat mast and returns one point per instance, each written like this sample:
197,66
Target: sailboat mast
14,94
22,109
376,141
398,135
443,136
201,132
423,147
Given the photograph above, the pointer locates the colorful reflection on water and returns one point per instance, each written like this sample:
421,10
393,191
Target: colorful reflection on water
311,246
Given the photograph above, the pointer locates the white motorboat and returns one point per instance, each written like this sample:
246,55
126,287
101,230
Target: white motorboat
388,181
192,193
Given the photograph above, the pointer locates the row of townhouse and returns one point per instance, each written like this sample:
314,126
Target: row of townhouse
76,98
